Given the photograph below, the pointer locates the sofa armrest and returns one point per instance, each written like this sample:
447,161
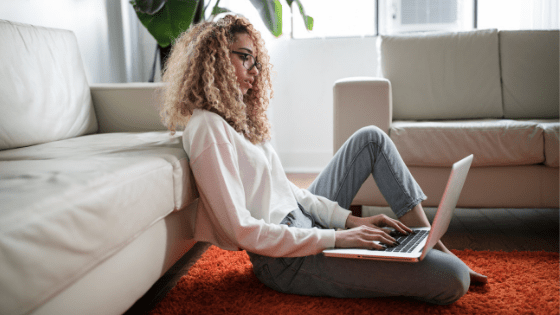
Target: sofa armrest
125,107
360,102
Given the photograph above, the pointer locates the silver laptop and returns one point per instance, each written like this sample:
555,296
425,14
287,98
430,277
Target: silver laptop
415,246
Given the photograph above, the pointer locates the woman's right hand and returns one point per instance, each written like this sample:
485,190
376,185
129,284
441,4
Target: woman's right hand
364,237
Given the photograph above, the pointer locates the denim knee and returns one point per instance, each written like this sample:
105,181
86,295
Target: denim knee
370,133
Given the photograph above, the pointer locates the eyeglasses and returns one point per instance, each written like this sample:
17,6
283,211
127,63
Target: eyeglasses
249,61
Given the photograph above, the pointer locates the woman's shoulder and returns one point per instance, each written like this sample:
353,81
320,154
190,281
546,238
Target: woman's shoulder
202,120
205,117
206,127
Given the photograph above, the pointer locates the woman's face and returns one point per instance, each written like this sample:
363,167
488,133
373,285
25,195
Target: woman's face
242,53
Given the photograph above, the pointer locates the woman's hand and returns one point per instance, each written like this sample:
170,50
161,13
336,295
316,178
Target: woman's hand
364,232
377,221
363,237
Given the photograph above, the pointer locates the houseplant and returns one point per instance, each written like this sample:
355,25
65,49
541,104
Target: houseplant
167,19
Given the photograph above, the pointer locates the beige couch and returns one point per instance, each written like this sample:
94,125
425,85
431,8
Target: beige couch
444,96
93,191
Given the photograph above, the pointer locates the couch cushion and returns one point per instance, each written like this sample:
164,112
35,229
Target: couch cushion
70,204
551,131
529,61
493,142
44,93
443,75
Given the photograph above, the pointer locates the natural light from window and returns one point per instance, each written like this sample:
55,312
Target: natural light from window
518,14
350,18
357,18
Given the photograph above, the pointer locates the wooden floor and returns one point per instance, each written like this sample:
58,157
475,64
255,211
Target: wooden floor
476,229
497,229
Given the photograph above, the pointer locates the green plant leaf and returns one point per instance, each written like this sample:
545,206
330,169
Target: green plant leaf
217,10
306,18
271,14
170,21
148,6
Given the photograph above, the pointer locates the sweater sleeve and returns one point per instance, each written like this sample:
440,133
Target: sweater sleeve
326,212
219,182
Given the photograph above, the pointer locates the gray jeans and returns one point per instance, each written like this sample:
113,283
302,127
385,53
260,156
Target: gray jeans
440,278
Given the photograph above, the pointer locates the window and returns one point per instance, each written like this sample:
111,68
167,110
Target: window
518,14
349,18
404,16
358,18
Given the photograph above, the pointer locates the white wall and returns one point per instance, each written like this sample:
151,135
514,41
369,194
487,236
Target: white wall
115,47
305,71
304,74
98,25
301,110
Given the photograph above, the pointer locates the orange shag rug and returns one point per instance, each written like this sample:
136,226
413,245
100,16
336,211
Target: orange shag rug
223,282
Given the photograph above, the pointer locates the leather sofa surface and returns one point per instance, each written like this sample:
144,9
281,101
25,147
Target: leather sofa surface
530,84
89,182
44,93
443,75
444,96
494,142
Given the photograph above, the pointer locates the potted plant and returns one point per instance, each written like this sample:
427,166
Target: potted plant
167,19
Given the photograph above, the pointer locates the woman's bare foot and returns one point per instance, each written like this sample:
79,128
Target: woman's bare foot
417,217
476,278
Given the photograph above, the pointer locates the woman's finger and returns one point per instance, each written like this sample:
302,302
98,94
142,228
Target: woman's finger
403,228
399,226
375,246
380,235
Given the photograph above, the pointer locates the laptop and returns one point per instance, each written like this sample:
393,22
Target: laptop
415,246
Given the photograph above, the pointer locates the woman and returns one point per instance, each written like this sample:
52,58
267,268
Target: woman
219,88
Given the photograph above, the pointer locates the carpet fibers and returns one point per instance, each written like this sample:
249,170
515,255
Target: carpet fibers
223,282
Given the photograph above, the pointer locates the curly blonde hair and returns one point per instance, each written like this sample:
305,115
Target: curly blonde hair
199,74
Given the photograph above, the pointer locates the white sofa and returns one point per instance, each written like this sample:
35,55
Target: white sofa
93,191
444,96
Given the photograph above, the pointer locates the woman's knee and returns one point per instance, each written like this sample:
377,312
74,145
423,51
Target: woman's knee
456,289
456,282
370,134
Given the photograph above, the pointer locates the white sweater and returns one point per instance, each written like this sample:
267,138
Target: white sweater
245,194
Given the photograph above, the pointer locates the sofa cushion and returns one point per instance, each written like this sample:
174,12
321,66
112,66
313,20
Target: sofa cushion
551,131
529,61
493,142
443,75
44,93
70,204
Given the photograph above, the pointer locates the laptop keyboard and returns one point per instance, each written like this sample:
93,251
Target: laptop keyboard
408,242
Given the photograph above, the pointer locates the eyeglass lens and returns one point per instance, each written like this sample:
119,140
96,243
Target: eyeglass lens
250,62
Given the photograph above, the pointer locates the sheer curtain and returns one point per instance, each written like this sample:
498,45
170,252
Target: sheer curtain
518,14
544,15
139,46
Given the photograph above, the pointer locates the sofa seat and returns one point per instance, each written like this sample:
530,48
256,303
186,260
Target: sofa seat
68,205
551,143
445,95
494,142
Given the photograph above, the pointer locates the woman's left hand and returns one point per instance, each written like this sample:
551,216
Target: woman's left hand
377,221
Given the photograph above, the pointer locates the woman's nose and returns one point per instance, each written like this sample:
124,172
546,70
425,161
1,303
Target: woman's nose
254,71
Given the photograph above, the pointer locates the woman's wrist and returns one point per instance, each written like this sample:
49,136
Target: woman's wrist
352,221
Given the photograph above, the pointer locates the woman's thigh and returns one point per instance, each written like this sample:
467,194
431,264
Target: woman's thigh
440,278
